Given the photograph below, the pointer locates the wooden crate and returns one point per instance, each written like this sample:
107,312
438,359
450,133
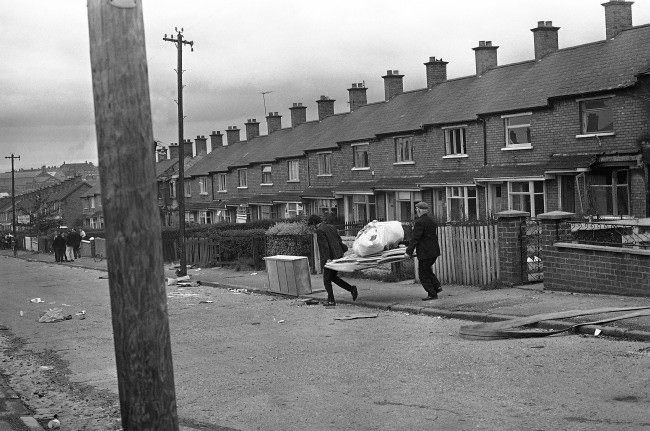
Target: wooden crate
288,275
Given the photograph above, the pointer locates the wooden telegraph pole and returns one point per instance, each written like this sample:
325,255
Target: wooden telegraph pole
180,187
133,238
13,202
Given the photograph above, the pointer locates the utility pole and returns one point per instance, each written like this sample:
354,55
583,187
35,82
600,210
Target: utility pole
136,279
180,187
264,93
13,201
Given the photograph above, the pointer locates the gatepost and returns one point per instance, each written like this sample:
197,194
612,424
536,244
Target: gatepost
512,254
554,228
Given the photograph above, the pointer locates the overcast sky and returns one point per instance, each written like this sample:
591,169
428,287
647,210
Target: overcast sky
296,49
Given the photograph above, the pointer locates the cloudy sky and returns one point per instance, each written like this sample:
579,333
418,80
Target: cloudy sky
296,49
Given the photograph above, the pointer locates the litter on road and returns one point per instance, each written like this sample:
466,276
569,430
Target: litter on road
54,315
36,300
206,301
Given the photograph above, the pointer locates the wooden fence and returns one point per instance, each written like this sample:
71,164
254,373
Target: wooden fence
469,255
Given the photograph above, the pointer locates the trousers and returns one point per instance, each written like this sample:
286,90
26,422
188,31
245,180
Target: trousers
429,281
330,276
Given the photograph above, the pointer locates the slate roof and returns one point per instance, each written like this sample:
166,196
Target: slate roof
317,193
93,191
570,162
448,177
493,172
590,68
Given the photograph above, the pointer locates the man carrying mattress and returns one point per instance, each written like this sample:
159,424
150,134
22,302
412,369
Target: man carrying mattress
424,240
330,246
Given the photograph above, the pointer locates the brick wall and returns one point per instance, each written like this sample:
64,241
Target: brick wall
596,271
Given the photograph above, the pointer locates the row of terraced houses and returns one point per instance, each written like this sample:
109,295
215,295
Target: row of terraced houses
568,130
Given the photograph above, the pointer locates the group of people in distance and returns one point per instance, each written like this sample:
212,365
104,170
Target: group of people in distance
67,245
423,243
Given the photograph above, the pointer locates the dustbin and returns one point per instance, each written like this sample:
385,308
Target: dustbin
288,275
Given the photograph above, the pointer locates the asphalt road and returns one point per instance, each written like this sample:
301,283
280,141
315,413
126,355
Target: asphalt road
249,362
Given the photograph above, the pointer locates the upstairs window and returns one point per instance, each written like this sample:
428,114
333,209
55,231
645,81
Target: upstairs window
222,183
455,141
324,163
188,188
294,170
360,158
172,189
242,178
203,186
596,116
517,130
403,150
266,174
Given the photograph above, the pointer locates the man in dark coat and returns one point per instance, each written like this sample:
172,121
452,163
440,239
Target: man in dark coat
330,246
424,241
59,247
76,243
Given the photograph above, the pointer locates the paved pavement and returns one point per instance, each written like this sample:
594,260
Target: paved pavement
14,416
461,302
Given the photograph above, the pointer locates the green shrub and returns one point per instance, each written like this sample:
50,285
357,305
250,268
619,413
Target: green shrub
289,228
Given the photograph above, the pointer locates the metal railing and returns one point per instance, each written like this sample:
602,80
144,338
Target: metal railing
615,233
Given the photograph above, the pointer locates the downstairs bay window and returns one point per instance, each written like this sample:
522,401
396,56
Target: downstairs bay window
461,203
526,196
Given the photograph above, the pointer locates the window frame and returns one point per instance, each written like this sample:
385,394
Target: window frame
463,194
582,117
507,128
366,159
324,164
293,171
203,186
531,194
614,191
450,152
222,183
242,173
187,188
403,146
268,173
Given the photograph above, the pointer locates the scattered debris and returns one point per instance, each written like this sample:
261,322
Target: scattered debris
253,273
597,332
255,323
54,315
36,300
358,316
21,313
206,301
189,284
54,423
103,277
238,291
81,314
281,321
46,368
312,301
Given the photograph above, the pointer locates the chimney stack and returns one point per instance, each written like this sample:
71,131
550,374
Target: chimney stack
273,122
252,129
436,71
325,107
201,145
486,56
187,147
162,154
357,94
618,17
545,39
298,114
232,135
173,151
393,84
216,139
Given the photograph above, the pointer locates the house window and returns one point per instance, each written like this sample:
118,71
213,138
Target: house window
324,163
267,179
265,212
609,192
188,188
596,116
455,141
326,207
517,130
360,158
172,189
222,183
203,186
526,196
403,150
461,203
363,208
242,178
294,170
404,204
205,217
92,202
292,210
86,203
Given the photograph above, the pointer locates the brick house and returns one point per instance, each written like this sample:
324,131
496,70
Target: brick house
567,130
93,213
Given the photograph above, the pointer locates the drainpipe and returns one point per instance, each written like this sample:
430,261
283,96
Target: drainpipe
482,120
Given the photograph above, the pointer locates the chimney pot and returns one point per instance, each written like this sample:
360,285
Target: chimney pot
232,135
544,39
436,71
357,96
298,114
252,129
393,84
486,56
325,107
201,145
216,139
618,17
273,122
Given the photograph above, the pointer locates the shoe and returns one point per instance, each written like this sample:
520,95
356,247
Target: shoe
430,297
329,303
354,293
438,289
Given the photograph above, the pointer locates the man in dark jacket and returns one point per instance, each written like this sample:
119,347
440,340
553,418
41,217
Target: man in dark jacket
424,241
330,246
59,247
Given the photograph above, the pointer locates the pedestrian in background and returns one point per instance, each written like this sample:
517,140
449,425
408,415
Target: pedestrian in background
59,247
330,246
76,242
424,241
69,246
